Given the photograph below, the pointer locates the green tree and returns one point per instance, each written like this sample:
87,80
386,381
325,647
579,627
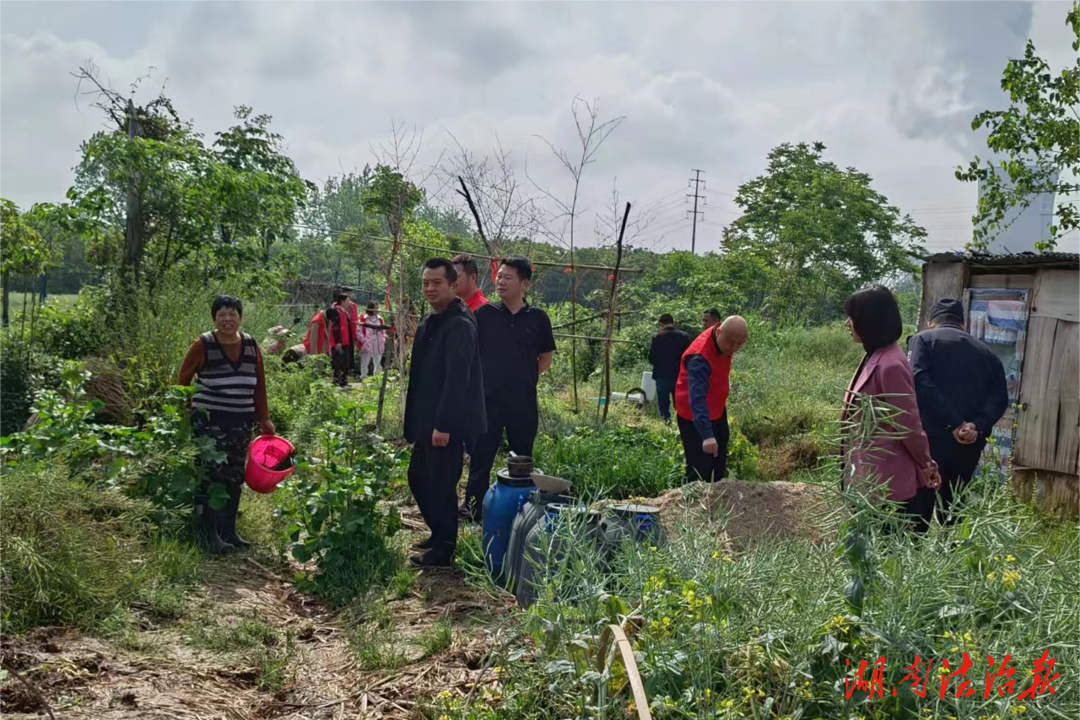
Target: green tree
182,204
352,233
817,233
1039,135
22,249
263,193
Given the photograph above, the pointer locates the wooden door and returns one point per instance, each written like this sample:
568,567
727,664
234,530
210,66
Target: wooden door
1048,425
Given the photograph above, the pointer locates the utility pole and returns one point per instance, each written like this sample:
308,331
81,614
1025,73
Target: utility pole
698,185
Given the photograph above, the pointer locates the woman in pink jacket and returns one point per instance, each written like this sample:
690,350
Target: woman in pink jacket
371,334
888,452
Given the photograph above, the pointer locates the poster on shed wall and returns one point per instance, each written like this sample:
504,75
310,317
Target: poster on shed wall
999,317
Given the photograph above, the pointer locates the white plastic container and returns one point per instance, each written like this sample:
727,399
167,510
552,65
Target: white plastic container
648,385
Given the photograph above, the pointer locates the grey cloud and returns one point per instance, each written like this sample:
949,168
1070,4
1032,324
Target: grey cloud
710,85
470,42
957,72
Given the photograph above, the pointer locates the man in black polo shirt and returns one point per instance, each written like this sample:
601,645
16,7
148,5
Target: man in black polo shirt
516,347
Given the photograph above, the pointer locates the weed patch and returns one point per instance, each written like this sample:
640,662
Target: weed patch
77,556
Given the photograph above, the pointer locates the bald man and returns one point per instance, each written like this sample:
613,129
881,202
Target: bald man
701,394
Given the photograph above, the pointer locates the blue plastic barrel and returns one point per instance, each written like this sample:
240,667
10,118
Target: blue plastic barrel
501,504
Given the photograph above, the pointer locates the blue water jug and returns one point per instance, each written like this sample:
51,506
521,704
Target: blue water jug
502,502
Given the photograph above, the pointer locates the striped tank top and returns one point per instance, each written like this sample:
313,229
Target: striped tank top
223,388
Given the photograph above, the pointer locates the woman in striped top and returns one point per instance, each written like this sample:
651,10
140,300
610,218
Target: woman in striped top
227,369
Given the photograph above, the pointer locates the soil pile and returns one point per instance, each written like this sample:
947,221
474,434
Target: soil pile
748,512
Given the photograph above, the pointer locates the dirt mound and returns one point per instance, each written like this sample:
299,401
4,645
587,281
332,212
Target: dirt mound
751,511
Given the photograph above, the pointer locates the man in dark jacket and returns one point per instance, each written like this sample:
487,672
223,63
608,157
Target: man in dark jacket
444,409
961,389
665,352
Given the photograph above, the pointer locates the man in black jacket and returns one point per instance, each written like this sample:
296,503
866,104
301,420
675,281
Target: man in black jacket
444,409
961,389
665,353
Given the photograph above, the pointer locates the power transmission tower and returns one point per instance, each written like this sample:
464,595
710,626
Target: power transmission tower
699,184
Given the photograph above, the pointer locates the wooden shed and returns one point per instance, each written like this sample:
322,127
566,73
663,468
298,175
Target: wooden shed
1027,308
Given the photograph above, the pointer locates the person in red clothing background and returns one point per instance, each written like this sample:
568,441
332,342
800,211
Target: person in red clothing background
352,311
467,288
317,340
701,394
341,338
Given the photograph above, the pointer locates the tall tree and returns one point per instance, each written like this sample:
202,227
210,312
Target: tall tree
22,249
822,231
264,191
1039,135
178,199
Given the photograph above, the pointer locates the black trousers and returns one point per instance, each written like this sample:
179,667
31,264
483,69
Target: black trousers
433,477
699,464
520,421
919,509
665,390
339,360
957,464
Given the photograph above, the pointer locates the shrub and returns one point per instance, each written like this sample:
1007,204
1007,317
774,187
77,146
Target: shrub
333,511
16,389
72,331
161,462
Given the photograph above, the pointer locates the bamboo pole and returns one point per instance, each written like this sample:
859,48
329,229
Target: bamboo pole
541,263
611,314
590,337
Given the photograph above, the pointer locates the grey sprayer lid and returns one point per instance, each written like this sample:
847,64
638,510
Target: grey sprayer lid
627,509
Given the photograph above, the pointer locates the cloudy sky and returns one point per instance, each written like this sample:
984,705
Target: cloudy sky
890,88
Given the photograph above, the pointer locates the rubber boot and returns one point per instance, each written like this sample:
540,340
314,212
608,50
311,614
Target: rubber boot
206,519
227,518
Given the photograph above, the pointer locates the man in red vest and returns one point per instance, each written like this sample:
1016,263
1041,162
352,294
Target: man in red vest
701,394
468,288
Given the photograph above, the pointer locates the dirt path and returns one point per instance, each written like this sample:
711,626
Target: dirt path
249,646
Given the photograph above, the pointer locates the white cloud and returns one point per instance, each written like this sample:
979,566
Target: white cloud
888,87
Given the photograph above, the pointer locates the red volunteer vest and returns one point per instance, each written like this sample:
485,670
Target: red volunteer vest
719,378
315,342
345,329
